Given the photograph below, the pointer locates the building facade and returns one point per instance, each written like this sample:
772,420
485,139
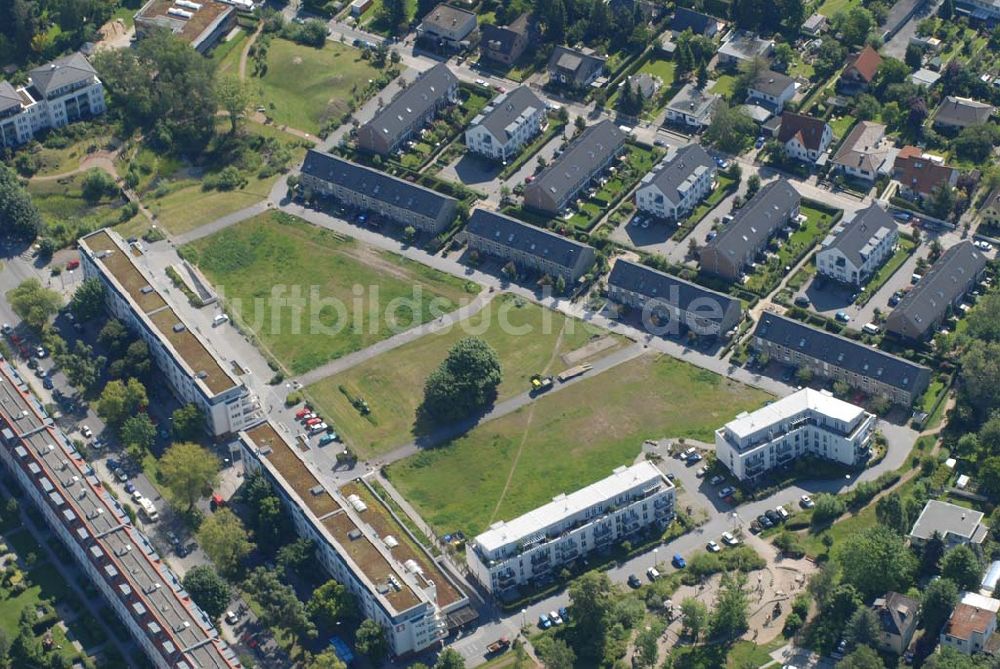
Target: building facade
405,591
506,125
808,422
692,107
865,153
854,251
447,26
194,374
530,248
412,108
830,356
754,224
574,68
972,624
671,301
114,555
505,44
603,514
586,157
897,617
376,192
804,138
677,184
64,91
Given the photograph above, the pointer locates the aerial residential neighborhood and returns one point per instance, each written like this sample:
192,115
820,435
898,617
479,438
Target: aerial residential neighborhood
528,334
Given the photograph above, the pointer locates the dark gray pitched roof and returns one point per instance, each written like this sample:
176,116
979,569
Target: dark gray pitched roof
896,612
525,237
507,108
592,147
659,285
575,61
773,83
373,183
678,167
756,221
685,18
853,238
444,17
943,282
503,37
414,101
843,352
8,96
61,72
962,111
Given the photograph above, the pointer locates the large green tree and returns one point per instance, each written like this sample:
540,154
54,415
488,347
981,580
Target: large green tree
939,598
19,216
555,653
189,472
731,606
464,383
330,603
876,560
731,129
209,590
863,628
188,422
163,87
87,302
694,614
980,373
591,596
863,657
225,541
370,640
32,301
280,606
120,400
962,566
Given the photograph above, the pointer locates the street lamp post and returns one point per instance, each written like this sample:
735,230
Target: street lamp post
524,620
655,551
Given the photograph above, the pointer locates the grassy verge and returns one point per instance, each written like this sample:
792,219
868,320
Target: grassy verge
282,256
905,249
565,441
391,383
768,275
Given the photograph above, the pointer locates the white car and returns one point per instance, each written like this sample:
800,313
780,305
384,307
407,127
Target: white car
714,547
726,492
983,245
806,502
319,427
554,617
480,82
86,431
729,539
232,618
717,479
701,472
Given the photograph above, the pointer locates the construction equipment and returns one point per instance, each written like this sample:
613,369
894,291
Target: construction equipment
540,384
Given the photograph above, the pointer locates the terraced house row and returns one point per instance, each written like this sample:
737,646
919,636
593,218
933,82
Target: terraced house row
115,555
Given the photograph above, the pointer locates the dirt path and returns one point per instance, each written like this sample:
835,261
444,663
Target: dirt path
246,51
527,427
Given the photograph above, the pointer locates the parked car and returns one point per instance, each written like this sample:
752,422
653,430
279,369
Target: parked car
86,431
47,383
802,301
40,352
694,457
633,581
713,547
678,561
319,427
717,479
544,622
701,472
301,413
842,317
327,438
314,421
806,502
726,492
902,215
729,539
652,573
121,475
773,516
232,618
782,513
764,521
554,617
895,298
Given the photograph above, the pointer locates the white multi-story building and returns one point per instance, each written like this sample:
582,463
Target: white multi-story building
854,251
193,372
64,91
509,122
401,588
603,514
808,422
971,625
677,184
114,555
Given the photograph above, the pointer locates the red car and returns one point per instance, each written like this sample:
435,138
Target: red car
72,264
301,413
314,421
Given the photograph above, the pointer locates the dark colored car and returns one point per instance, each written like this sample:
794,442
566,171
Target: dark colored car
633,581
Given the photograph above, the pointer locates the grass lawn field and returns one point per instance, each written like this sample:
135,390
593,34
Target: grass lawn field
769,274
226,55
174,191
392,382
566,441
842,125
66,214
305,86
724,85
831,7
906,248
280,252
718,656
53,161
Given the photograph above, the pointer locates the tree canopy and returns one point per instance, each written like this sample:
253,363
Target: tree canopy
209,590
465,382
224,541
19,216
189,472
32,301
876,560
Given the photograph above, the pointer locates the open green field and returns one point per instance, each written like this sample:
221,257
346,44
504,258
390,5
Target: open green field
724,85
51,161
174,192
721,656
658,67
831,7
565,441
842,125
528,338
305,86
226,55
66,214
278,252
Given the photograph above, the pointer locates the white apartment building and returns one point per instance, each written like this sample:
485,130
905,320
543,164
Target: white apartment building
113,554
193,372
404,591
808,422
677,184
64,91
854,251
602,514
509,122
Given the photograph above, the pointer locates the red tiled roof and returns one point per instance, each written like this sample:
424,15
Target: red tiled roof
920,174
807,129
866,63
966,619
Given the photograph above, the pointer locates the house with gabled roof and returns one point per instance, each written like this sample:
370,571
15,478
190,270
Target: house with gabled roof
697,22
510,121
922,311
574,68
771,90
527,246
859,72
897,617
505,44
866,153
804,138
831,356
856,249
677,184
412,108
919,173
692,107
955,113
